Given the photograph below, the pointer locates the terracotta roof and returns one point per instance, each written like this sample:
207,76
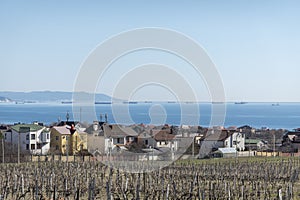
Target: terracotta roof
164,135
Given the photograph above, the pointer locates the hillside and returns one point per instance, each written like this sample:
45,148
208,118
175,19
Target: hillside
44,96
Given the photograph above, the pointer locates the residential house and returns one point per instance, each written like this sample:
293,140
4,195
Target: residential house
95,138
221,138
164,139
146,139
235,140
66,140
32,138
118,136
214,139
291,141
95,129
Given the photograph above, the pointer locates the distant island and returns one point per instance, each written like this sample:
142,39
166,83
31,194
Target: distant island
45,96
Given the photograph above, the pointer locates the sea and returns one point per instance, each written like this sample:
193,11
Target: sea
258,115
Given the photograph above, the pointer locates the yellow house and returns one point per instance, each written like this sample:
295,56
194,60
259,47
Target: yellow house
79,142
66,140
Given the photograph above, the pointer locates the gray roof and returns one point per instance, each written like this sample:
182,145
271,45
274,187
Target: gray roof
116,130
217,135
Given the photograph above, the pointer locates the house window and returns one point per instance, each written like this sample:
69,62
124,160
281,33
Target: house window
67,137
47,136
56,137
27,146
27,136
32,136
38,146
226,143
234,142
56,147
32,146
146,142
118,140
166,142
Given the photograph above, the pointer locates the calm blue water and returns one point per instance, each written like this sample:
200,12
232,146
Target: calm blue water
287,115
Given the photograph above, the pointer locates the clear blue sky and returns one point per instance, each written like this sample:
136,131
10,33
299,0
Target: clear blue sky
254,44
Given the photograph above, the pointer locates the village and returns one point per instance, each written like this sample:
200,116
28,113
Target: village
103,141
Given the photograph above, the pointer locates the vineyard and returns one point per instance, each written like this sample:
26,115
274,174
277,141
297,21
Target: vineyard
253,178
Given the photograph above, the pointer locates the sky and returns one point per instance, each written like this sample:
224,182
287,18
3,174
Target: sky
255,45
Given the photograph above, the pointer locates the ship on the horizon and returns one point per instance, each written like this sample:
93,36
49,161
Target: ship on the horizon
67,102
103,102
130,102
275,104
240,102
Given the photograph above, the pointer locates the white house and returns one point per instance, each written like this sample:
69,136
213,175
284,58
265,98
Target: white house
32,138
235,140
166,140
221,138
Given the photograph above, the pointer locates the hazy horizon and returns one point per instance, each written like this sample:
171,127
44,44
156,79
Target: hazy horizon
154,100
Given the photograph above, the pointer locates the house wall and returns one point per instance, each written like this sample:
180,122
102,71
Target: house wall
130,139
79,142
55,142
108,144
66,142
119,140
60,143
167,144
35,142
147,141
113,142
